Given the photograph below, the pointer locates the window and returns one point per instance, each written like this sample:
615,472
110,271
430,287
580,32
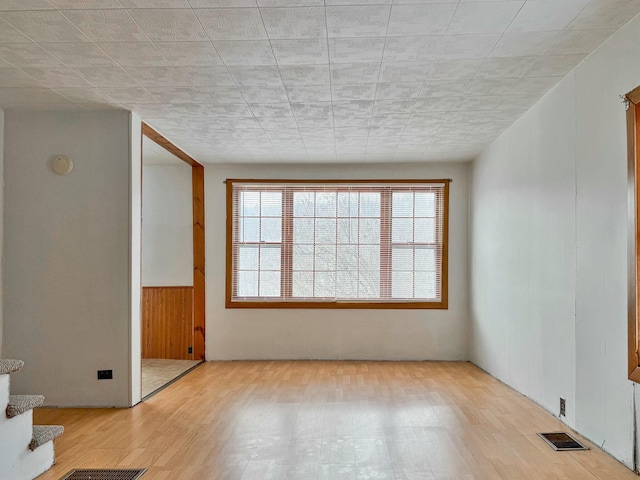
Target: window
333,244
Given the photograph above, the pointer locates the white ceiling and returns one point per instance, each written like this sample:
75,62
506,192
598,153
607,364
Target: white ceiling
302,80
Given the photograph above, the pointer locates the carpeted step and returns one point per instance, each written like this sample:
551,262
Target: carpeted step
21,403
43,434
8,366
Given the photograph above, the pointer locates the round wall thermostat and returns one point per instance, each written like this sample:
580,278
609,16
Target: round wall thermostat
62,165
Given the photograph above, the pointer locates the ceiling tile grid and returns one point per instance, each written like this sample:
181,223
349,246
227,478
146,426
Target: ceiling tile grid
302,80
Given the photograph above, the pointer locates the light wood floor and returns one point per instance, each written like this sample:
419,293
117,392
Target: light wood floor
326,421
157,372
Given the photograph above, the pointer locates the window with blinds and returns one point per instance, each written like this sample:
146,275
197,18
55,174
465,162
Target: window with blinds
326,244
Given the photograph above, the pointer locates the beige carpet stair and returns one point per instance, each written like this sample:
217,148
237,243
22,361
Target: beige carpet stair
43,434
10,366
22,403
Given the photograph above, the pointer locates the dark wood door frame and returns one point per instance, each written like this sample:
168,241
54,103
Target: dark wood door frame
197,190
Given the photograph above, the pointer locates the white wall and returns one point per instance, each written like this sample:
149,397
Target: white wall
548,253
167,225
336,334
67,249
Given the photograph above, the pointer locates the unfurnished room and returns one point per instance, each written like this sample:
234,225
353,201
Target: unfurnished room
319,239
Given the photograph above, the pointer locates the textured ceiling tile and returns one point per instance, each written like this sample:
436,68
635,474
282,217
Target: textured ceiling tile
207,76
154,3
467,46
304,74
8,5
271,109
290,3
405,71
435,104
256,76
79,54
245,52
175,94
232,23
606,13
315,122
85,95
264,94
218,95
85,4
157,76
361,91
421,19
352,50
542,15
312,109
505,67
14,77
454,69
398,90
8,34
283,123
353,107
511,86
107,76
28,55
411,48
523,44
240,110
443,88
351,121
294,22
357,21
222,3
309,93
131,94
194,54
553,65
390,120
106,25
300,52
484,17
578,41
56,77
350,73
383,107
134,54
45,26
169,25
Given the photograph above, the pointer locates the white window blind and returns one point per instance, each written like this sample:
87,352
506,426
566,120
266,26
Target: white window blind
337,243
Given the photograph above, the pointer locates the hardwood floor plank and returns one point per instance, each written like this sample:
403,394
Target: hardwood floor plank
314,420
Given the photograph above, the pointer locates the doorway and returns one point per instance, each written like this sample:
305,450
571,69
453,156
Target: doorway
172,306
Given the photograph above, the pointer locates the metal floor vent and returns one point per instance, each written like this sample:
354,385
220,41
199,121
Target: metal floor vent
105,474
561,441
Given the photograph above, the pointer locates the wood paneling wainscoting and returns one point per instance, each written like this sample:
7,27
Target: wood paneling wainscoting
167,322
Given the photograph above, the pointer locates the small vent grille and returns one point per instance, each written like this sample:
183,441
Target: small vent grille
561,441
105,474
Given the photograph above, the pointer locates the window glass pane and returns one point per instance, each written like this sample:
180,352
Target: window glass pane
325,256
325,284
402,285
326,204
370,230
325,230
270,258
303,257
425,204
270,284
369,258
425,229
347,257
347,283
426,285
247,283
303,230
247,258
249,204
425,259
369,284
271,204
303,204
402,230
302,284
402,204
370,204
271,230
347,204
249,230
402,259
348,230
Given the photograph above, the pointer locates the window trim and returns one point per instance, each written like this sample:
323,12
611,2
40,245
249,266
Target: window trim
632,101
443,304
